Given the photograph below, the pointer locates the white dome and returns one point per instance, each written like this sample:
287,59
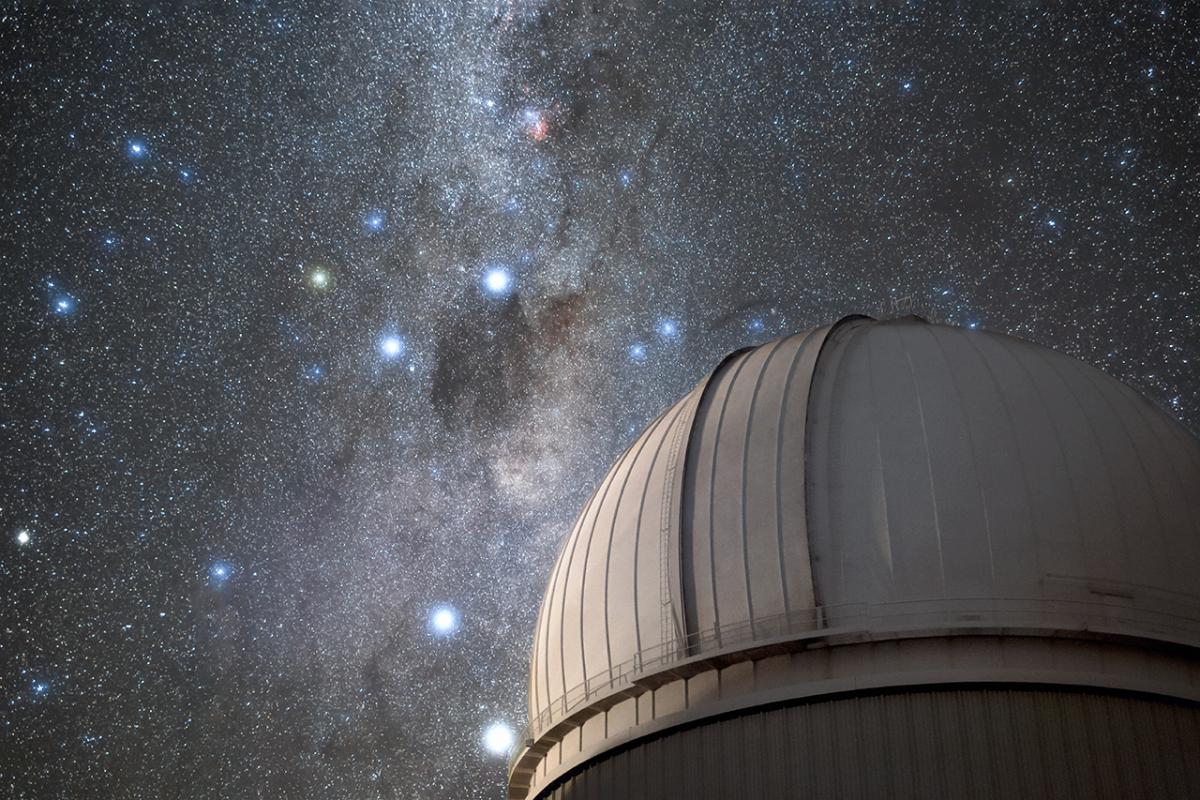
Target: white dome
875,478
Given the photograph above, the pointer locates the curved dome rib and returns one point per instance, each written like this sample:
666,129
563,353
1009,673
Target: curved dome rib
629,522
743,450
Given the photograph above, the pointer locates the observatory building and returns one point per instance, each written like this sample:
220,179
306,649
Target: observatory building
879,559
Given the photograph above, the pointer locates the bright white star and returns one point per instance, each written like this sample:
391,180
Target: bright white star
391,346
497,281
499,738
443,620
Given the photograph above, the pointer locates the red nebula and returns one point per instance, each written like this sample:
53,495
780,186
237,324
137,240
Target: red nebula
539,127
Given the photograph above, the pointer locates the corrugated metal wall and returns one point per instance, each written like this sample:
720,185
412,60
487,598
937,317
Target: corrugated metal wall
992,743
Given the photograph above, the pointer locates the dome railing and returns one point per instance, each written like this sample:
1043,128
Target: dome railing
870,619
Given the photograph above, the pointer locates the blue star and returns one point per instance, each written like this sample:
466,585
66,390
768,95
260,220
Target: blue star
186,176
219,572
497,281
443,620
374,221
906,86
625,178
314,373
136,148
391,346
40,688
756,325
637,352
668,328
63,305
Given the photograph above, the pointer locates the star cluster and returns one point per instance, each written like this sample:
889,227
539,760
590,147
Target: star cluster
321,322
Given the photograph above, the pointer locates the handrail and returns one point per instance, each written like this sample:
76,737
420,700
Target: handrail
824,621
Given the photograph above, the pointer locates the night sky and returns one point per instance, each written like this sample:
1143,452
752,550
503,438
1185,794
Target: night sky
320,324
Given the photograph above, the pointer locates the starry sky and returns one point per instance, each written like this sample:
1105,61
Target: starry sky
321,321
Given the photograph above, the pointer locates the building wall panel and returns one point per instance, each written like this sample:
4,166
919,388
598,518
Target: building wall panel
980,743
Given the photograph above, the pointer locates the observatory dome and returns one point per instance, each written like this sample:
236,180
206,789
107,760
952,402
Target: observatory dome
869,481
